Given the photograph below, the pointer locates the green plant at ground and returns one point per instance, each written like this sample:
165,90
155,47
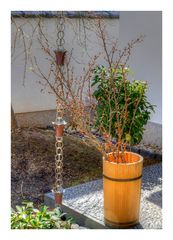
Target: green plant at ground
123,109
28,217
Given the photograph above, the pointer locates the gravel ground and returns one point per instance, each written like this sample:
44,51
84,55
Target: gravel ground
88,199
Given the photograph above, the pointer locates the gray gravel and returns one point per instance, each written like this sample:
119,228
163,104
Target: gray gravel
88,199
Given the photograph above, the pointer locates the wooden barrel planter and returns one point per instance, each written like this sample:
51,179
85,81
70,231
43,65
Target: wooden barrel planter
122,190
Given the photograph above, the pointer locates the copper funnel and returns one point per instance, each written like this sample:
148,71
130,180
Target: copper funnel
60,56
58,198
59,130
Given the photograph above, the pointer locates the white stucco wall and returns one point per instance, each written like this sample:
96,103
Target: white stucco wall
146,59
28,98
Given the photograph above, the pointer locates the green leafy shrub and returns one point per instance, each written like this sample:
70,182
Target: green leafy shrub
28,217
123,109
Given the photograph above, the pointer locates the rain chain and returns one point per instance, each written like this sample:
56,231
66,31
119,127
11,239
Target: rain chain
60,123
60,34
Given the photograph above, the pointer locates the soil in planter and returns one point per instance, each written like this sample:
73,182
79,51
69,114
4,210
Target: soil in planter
125,157
32,164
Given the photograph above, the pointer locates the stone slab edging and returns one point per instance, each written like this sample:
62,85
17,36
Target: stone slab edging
80,218
146,153
136,149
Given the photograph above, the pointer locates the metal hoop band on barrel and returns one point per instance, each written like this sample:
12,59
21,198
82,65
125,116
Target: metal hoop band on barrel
122,180
120,225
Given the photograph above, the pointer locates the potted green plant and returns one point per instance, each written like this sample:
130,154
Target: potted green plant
122,112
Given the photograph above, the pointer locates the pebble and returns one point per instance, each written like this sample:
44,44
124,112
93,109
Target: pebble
74,226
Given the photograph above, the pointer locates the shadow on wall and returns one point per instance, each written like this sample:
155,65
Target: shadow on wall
153,134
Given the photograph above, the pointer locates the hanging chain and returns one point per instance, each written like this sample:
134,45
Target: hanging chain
59,117
59,152
58,163
60,33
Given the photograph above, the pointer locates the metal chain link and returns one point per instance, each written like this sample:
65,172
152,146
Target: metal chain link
60,33
59,153
59,110
59,115
58,163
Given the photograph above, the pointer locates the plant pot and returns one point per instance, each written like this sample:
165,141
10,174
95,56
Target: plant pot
60,56
59,130
122,190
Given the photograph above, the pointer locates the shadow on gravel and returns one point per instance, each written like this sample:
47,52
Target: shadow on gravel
138,226
156,198
152,176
